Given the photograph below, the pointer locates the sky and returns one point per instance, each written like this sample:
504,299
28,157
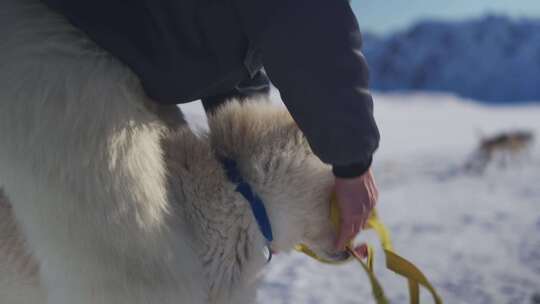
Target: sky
385,16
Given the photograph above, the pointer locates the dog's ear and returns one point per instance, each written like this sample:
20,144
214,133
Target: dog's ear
243,128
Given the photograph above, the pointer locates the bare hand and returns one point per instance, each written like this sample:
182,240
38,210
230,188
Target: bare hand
356,198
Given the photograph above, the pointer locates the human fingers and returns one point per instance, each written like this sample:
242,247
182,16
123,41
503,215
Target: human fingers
351,224
362,250
346,233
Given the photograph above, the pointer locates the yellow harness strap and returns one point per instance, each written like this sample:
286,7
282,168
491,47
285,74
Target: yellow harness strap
394,262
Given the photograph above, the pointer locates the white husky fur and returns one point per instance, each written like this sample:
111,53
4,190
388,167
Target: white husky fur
110,204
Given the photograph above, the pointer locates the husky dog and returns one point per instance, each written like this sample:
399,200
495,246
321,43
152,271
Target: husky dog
503,147
511,142
109,202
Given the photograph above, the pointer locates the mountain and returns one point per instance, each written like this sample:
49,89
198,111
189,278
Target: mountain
492,59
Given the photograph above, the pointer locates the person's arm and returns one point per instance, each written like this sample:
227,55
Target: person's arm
312,52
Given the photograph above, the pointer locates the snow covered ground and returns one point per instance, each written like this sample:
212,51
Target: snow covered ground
477,237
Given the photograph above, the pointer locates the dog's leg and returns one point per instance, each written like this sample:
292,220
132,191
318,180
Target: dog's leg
87,183
19,282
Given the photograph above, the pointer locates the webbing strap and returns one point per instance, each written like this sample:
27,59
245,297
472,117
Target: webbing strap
400,265
376,288
394,262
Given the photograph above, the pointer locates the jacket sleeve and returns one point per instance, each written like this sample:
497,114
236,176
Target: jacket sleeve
311,50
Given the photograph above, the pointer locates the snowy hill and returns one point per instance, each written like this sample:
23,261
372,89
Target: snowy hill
493,59
477,237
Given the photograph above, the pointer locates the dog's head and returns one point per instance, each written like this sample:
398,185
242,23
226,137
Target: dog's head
275,159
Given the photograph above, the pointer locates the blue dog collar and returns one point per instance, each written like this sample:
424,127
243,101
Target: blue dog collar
257,206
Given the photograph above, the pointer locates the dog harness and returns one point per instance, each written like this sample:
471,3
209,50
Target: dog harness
255,202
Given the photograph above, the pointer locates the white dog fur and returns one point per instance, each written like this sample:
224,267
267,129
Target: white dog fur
112,203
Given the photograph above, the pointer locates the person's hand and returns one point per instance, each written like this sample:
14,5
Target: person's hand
356,198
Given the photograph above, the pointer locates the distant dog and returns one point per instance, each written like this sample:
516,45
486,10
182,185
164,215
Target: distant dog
502,146
110,202
509,142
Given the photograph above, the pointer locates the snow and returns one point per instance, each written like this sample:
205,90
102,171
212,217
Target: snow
477,237
492,58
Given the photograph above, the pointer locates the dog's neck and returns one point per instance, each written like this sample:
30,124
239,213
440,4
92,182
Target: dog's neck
226,236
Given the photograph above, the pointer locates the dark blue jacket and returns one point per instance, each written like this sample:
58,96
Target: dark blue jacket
183,50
